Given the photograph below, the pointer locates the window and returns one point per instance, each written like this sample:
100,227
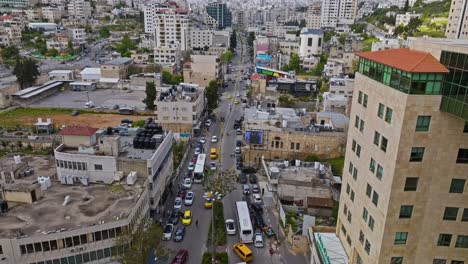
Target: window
358,151
353,145
348,188
411,184
1,250
444,240
375,198
364,102
97,167
465,215
383,144
388,115
372,165
349,216
450,213
368,190
350,168
292,145
462,156
356,122
423,122
348,239
361,126
457,262
465,128
298,145
345,210
439,261
352,195
371,223
360,97
396,260
417,154
367,247
400,238
343,229
381,110
355,173
376,138
365,214
406,211
462,242
379,174
361,237
457,186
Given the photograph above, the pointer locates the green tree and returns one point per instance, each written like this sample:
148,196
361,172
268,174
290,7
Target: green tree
302,24
70,49
169,78
52,52
406,6
233,40
26,71
328,35
9,52
125,46
227,56
250,39
211,93
88,29
150,92
342,38
285,101
104,32
358,27
140,242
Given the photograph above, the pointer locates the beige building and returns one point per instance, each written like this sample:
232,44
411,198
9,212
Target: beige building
203,69
457,24
281,134
404,197
8,86
115,69
180,108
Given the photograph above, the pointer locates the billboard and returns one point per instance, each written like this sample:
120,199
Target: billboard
254,137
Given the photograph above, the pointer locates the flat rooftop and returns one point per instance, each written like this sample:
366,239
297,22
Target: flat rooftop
89,205
332,247
183,92
120,61
41,165
306,172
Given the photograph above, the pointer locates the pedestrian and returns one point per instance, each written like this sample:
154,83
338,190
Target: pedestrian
263,191
196,223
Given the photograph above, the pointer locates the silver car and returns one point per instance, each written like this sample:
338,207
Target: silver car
167,231
258,240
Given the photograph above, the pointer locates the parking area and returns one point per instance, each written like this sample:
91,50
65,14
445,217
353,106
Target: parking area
103,98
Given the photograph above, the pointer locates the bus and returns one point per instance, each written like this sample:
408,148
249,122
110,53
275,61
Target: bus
245,225
199,171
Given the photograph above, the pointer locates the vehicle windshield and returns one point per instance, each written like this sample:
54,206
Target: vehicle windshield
167,229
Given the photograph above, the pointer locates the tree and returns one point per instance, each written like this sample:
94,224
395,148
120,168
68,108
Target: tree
294,64
168,78
342,38
140,242
150,92
10,52
233,40
52,52
125,46
406,6
286,101
328,35
227,56
250,39
212,95
70,49
302,24
104,32
26,71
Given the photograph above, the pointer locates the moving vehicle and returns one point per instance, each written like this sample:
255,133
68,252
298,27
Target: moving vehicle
181,257
236,102
230,227
255,188
187,183
246,189
212,165
245,225
237,150
167,231
189,198
213,154
178,203
257,198
174,218
202,140
253,178
199,172
229,96
214,139
187,218
243,252
258,240
179,234
90,104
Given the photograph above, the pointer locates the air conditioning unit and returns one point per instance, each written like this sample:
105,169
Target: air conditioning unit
72,250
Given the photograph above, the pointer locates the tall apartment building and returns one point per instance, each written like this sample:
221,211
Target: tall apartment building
168,24
457,25
335,10
313,16
79,8
18,3
404,197
220,12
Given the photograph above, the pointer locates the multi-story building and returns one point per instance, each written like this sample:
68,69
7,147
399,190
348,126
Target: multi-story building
457,25
52,13
220,13
167,55
404,196
221,38
313,16
168,24
180,108
310,42
203,68
79,8
404,19
116,69
18,3
78,35
33,14
387,43
335,10
240,18
8,86
200,39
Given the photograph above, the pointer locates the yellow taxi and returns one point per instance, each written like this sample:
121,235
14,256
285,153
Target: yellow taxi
243,252
187,218
236,102
229,96
208,200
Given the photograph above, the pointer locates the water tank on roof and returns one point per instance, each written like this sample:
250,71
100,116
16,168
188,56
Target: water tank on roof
316,165
322,167
298,163
285,123
286,163
17,159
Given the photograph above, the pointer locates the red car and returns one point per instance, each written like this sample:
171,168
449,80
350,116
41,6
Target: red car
182,194
181,257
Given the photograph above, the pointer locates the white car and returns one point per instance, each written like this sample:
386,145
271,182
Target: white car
202,140
230,227
258,240
191,166
212,165
167,231
214,139
178,203
238,150
187,183
208,123
257,198
189,198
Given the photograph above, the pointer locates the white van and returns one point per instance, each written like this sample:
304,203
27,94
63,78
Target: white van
90,104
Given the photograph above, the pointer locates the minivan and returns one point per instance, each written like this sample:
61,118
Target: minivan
243,252
246,189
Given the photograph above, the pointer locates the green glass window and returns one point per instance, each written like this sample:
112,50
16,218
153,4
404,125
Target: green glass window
352,196
365,214
356,122
383,144
375,198
371,223
359,97
465,215
372,165
389,115
353,145
376,138
361,125
444,240
358,151
379,173
368,190
457,186
462,242
406,211
417,154
400,238
396,260
348,189
355,173
422,123
364,102
450,213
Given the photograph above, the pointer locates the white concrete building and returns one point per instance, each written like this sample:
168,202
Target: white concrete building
78,35
201,38
404,19
53,13
343,86
62,75
310,42
91,74
335,10
167,55
79,8
457,25
388,43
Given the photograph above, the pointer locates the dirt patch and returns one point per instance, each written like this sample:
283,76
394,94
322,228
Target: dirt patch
93,120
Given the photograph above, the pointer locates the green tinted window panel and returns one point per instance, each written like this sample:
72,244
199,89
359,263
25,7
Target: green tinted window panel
439,77
415,77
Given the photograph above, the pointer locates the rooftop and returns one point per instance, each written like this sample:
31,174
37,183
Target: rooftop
311,31
78,131
330,248
89,206
60,72
91,71
183,92
406,60
120,61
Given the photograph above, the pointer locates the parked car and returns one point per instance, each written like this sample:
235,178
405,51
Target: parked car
179,234
181,193
255,188
167,231
214,139
238,131
245,189
202,140
189,198
242,178
174,217
257,198
238,150
181,257
253,178
198,150
256,208
187,218
188,183
208,123
238,143
75,113
230,227
191,166
212,165
258,220
248,170
178,203
258,240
